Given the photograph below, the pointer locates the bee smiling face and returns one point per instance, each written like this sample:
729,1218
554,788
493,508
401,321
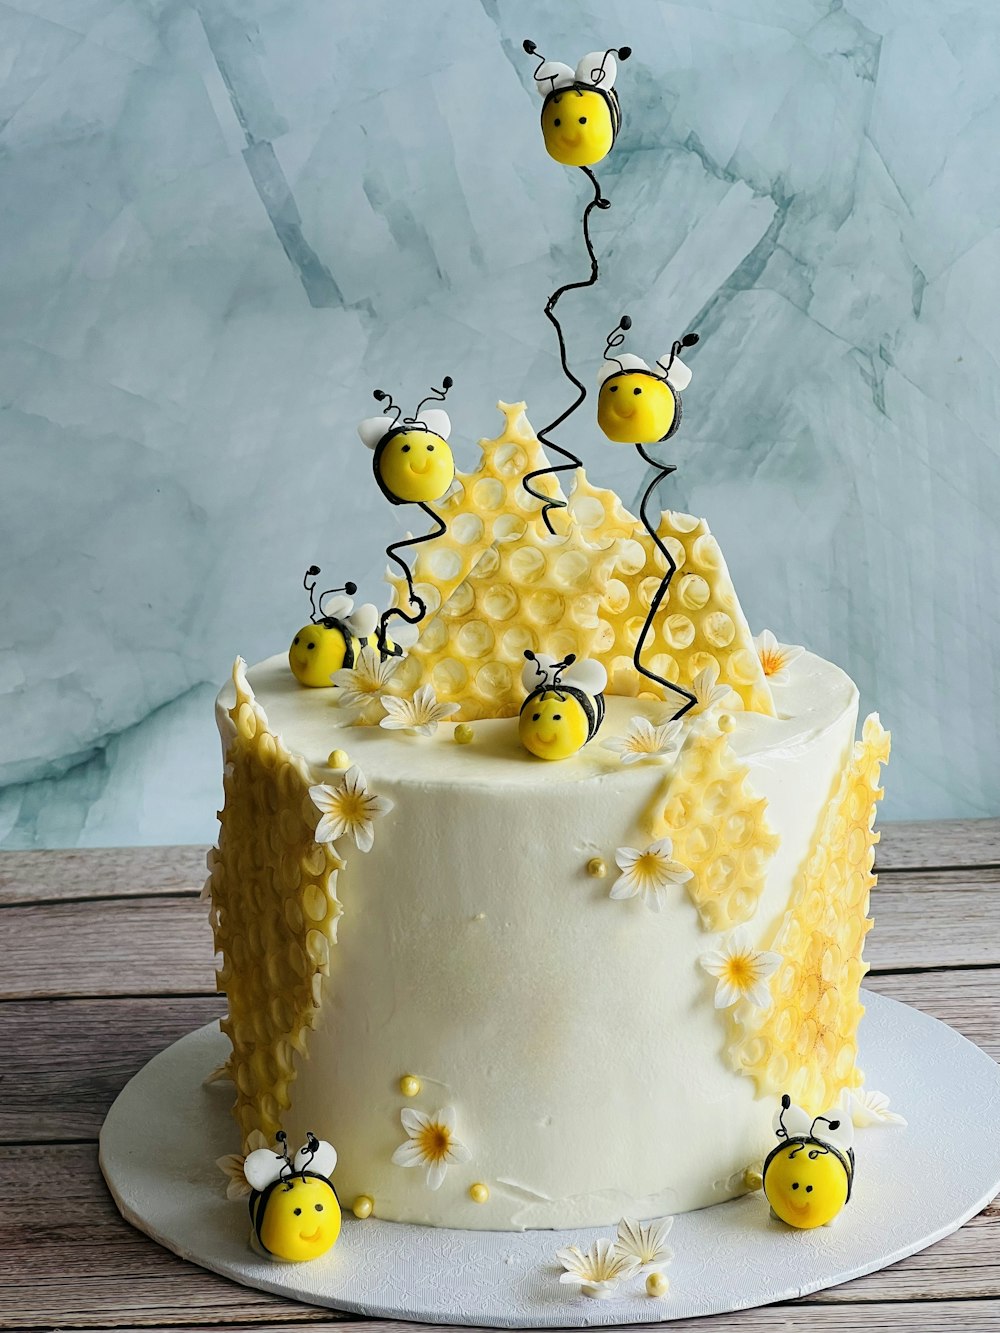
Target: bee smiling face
553,727
805,1187
578,127
317,651
634,407
301,1219
414,466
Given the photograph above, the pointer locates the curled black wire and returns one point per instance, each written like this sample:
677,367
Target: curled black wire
662,472
414,598
548,503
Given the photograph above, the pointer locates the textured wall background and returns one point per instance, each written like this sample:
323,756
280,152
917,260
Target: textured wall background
224,222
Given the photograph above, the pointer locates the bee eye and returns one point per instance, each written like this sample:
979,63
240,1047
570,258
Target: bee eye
637,391
298,1212
296,639
406,448
809,1189
535,717
557,717
613,389
583,120
557,121
319,1208
795,1185
310,645
430,448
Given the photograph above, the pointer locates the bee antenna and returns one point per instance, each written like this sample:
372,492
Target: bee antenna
310,588
381,396
597,75
615,339
688,340
436,395
786,1102
349,588
532,50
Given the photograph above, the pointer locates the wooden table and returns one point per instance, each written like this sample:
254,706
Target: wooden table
107,958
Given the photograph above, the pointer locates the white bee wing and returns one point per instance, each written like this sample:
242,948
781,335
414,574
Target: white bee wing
321,1163
362,622
843,1136
372,429
262,1167
627,361
536,672
437,420
598,68
586,675
796,1121
680,374
403,633
552,74
338,606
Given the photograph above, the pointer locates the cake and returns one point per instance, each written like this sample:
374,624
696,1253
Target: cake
521,987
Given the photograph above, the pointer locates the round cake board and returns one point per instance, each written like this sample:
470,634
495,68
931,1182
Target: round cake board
913,1186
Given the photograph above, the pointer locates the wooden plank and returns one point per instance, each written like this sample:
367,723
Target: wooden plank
100,872
79,1265
938,844
935,918
967,1001
65,1061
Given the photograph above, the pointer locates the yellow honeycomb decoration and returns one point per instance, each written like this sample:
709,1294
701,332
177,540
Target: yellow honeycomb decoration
274,912
467,649
718,827
806,1043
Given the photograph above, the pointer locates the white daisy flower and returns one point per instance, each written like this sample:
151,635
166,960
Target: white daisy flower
776,657
597,1271
643,740
645,1241
869,1108
348,808
421,714
359,688
707,690
231,1166
431,1142
742,970
648,874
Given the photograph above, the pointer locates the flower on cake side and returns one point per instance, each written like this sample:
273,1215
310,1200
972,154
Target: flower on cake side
431,1142
360,687
869,1108
598,1270
648,874
232,1166
348,809
775,657
743,972
708,693
643,740
421,714
645,1241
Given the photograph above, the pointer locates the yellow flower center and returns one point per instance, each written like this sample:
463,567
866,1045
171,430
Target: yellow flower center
352,806
772,661
434,1140
647,867
740,971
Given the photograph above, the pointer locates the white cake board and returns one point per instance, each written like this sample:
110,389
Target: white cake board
913,1186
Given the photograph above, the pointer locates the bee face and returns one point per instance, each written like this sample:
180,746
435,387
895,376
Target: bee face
578,126
552,727
636,408
299,1219
414,466
317,651
806,1190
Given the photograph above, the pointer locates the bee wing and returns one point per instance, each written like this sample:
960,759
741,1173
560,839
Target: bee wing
843,1136
372,429
537,671
262,1167
796,1121
338,606
362,622
627,361
587,675
437,420
322,1162
599,68
553,74
680,374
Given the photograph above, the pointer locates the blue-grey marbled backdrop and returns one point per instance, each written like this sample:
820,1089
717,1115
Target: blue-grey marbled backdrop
225,221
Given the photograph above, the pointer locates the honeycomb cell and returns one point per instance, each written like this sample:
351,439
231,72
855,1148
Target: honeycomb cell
461,602
467,529
509,528
500,603
572,569
719,629
678,631
493,680
545,608
693,592
705,552
475,639
510,460
527,565
444,564
449,678
514,641
489,494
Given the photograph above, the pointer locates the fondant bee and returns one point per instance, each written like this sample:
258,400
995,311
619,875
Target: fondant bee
564,707
581,113
294,1209
637,403
808,1177
413,464
335,635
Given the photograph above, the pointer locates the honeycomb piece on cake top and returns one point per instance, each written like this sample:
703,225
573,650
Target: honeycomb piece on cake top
274,912
805,1044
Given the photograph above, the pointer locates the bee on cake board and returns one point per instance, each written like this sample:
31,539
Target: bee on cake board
808,1176
294,1209
413,464
639,404
581,115
335,634
564,707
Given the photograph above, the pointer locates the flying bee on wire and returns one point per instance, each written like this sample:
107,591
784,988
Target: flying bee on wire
565,704
294,1208
335,635
809,1176
413,464
639,404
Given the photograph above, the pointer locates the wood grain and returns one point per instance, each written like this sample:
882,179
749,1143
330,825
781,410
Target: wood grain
941,844
935,918
88,872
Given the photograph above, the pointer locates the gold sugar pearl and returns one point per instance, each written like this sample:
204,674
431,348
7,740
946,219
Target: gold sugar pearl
752,1178
363,1206
726,722
409,1085
597,867
479,1193
464,734
657,1284
338,759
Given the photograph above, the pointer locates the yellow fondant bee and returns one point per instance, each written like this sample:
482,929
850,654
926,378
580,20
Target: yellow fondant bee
294,1209
808,1177
581,113
564,707
413,464
335,634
